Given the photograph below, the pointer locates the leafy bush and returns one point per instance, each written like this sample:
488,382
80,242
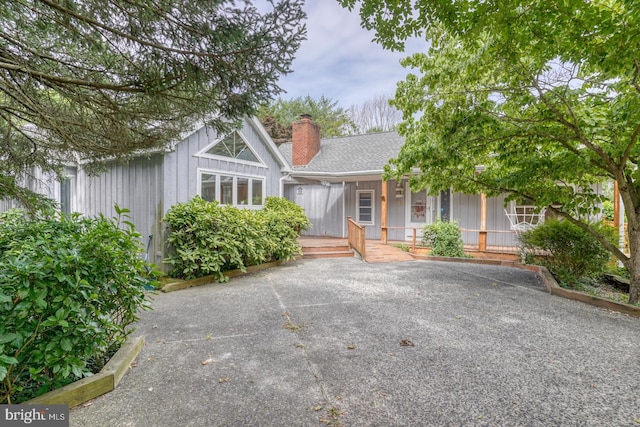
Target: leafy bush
285,220
607,210
69,287
444,239
292,214
202,236
569,251
208,238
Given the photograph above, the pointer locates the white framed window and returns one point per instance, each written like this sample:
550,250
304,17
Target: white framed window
365,207
231,189
67,190
231,147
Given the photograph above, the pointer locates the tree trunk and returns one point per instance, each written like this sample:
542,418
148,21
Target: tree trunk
633,265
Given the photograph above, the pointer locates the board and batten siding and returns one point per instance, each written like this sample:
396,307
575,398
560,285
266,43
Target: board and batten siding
181,166
323,206
466,210
38,181
396,213
497,220
135,185
373,231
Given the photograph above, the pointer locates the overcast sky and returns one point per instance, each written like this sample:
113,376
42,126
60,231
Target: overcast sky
339,59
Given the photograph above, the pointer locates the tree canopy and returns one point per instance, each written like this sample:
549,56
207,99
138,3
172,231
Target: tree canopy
278,115
542,98
94,80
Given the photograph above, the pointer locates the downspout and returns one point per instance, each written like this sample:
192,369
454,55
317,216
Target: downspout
344,212
281,180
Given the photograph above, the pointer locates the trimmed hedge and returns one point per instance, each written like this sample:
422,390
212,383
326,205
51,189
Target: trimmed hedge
207,238
69,288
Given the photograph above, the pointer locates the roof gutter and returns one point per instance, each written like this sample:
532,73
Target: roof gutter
295,173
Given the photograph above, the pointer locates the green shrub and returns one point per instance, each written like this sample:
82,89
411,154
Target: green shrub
444,239
292,214
207,238
285,220
202,236
567,250
69,288
607,210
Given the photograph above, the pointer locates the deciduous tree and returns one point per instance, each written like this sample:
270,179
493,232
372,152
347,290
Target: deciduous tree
375,115
95,80
545,96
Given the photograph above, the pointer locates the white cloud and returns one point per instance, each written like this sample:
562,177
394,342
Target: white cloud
340,60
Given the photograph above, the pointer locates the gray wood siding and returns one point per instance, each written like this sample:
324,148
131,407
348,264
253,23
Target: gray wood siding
372,231
466,210
497,220
323,206
396,213
135,185
181,165
35,180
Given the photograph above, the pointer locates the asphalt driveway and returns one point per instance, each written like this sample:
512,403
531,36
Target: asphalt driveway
341,342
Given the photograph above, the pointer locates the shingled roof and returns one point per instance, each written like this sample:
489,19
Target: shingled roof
351,154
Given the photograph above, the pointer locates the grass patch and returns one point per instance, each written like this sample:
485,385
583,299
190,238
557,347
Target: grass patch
332,418
293,327
401,246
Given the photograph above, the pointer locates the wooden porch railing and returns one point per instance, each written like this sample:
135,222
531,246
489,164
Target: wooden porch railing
482,236
356,238
414,240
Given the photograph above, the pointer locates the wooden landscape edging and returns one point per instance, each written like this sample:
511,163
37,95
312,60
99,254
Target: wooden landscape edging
96,385
549,282
184,284
555,289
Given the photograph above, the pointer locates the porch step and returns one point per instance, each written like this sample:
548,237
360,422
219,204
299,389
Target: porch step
326,252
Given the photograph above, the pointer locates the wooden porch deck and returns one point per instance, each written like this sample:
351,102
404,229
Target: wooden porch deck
313,247
376,250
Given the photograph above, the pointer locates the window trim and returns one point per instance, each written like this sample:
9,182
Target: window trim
68,178
203,153
235,176
373,207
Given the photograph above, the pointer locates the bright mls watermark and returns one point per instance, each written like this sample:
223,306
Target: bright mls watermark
34,415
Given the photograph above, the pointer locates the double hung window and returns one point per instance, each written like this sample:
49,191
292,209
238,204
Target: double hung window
365,207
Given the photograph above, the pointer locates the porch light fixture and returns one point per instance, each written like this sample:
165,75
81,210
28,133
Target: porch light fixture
399,191
299,191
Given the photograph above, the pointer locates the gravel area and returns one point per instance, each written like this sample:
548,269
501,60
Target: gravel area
341,342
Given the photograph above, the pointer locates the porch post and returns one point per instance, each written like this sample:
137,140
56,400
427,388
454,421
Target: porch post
482,236
383,221
618,217
616,205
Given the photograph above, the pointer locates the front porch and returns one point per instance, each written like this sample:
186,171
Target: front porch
377,251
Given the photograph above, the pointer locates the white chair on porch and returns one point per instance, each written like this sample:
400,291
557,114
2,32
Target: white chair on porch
523,218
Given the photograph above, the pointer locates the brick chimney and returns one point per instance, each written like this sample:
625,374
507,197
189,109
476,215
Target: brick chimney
306,140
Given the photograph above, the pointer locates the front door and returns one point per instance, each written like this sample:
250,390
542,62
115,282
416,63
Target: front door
421,209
